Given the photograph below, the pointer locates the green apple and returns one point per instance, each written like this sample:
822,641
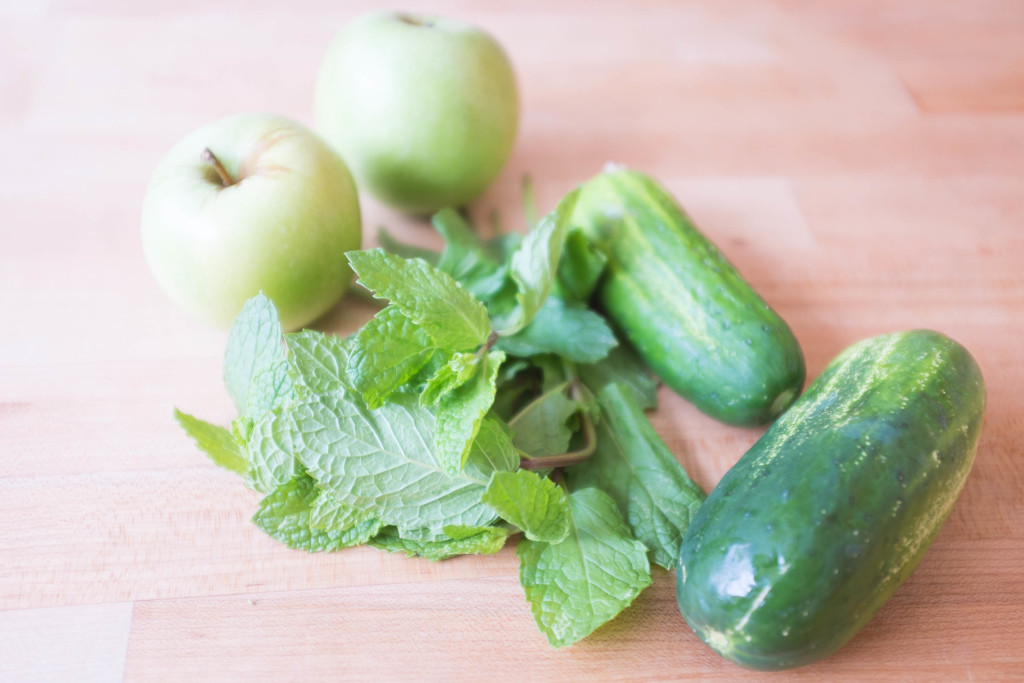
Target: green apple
250,203
424,109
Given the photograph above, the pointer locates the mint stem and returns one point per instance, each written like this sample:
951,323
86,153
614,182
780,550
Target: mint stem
492,338
570,458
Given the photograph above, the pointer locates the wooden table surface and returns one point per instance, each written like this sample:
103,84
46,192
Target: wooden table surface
862,163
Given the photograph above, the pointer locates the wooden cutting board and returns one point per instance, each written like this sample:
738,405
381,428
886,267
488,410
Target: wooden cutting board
861,163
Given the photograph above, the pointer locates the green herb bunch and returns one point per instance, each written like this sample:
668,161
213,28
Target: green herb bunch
486,400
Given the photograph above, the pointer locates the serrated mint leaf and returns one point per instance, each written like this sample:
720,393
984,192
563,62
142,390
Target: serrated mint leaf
459,540
572,331
577,585
217,442
533,503
541,428
318,362
635,467
384,461
624,367
535,263
450,376
460,412
254,344
580,267
271,387
405,250
328,514
271,451
386,353
284,515
430,297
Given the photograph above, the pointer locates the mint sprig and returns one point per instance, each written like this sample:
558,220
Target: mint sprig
486,402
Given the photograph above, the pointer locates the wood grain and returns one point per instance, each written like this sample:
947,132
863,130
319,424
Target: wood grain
862,163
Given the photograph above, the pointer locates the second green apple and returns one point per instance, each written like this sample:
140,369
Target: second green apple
423,109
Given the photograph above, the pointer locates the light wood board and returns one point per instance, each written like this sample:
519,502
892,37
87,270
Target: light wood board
862,163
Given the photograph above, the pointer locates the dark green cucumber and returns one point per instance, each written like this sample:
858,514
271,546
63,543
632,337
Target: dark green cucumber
695,321
808,535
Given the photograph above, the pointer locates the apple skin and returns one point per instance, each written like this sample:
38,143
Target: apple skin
282,228
424,109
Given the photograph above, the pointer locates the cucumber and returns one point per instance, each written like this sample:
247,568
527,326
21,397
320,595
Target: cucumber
691,316
816,526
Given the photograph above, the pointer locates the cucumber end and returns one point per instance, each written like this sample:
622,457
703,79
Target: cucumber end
782,401
717,640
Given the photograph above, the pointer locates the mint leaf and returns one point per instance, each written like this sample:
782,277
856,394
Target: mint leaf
318,362
459,540
386,353
254,344
580,267
218,443
284,515
533,503
624,367
541,427
450,376
271,451
466,258
270,388
577,585
460,411
535,263
452,316
328,514
384,461
635,467
569,330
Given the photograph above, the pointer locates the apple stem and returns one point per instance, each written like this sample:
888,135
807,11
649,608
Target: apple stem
209,157
415,20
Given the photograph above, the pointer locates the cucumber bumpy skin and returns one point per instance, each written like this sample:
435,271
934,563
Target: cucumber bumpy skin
819,523
688,312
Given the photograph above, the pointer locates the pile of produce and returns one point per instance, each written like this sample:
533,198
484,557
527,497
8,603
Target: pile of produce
501,393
